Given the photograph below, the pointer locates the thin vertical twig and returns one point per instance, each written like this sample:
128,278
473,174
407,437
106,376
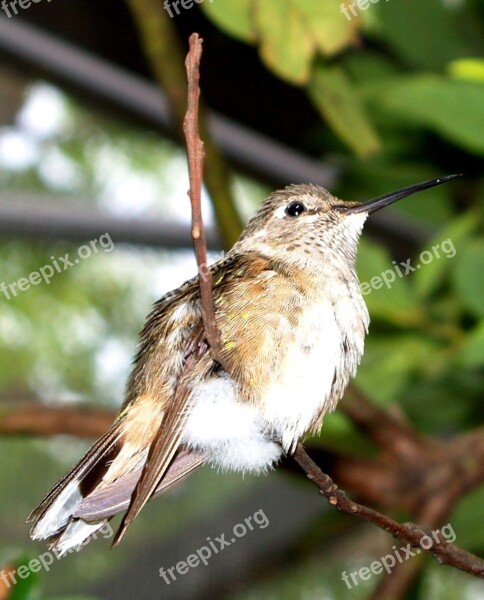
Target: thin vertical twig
195,153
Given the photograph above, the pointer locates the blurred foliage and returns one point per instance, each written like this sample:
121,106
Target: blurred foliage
289,33
433,43
400,90
317,579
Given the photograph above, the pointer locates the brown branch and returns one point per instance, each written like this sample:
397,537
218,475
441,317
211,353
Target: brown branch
424,476
403,574
444,552
195,166
452,469
46,421
5,590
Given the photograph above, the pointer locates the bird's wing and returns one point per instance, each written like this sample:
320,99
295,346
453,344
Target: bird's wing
197,363
162,450
68,490
150,410
247,290
105,502
165,443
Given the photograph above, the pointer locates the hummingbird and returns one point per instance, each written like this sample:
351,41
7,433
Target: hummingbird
292,324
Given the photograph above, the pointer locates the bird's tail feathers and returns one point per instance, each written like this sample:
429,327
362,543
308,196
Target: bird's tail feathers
53,518
77,507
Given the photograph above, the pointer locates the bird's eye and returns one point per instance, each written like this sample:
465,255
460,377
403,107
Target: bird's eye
295,208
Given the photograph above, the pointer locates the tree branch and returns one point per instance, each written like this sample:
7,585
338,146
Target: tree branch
195,166
39,420
46,421
444,552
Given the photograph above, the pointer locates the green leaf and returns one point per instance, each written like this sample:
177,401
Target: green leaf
467,521
471,69
341,106
367,67
285,43
389,364
472,351
450,107
387,294
234,17
439,403
424,34
288,31
469,279
26,587
447,242
330,32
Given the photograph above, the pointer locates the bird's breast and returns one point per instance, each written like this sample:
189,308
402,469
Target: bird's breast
309,365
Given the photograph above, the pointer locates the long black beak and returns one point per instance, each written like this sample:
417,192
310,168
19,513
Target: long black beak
377,203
